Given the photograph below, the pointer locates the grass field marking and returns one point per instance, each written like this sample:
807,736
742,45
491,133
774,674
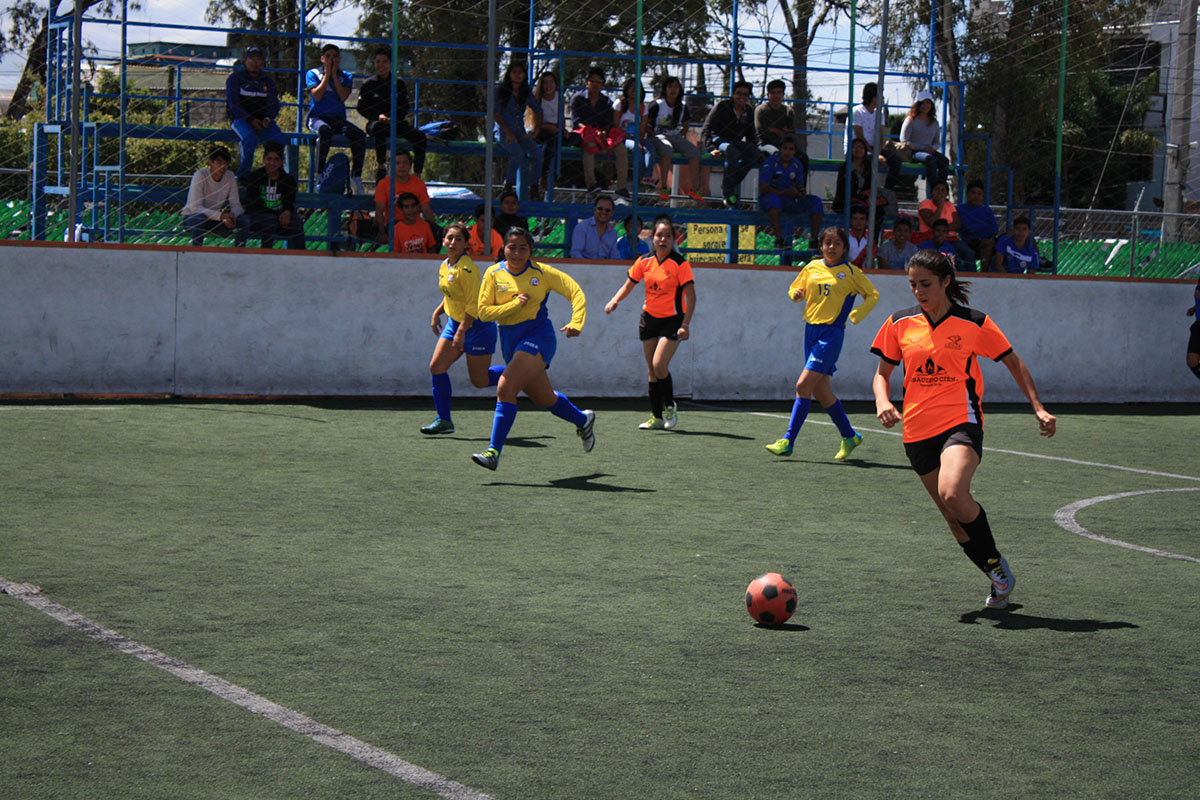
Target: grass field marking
59,408
1063,459
1065,517
292,720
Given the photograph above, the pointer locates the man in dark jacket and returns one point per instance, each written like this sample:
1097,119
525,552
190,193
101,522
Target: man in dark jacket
271,202
375,106
253,105
729,131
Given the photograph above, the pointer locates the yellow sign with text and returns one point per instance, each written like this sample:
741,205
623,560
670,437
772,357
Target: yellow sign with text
707,236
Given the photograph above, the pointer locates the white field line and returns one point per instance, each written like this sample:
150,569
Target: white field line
59,408
292,720
1065,517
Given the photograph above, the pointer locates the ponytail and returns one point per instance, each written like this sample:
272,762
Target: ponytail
942,266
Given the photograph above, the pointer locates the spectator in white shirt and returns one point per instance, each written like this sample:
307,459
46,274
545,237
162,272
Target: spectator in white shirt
212,203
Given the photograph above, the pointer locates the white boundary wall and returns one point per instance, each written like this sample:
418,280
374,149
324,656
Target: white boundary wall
105,319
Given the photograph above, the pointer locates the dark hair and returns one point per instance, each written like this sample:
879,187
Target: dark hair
220,153
664,219
537,86
479,209
516,230
975,184
870,92
506,88
939,223
667,81
942,267
625,87
508,193
330,46
936,182
461,226
905,221
741,85
272,147
606,199
859,209
839,233
776,84
1022,221
382,51
596,71
405,153
789,139
403,196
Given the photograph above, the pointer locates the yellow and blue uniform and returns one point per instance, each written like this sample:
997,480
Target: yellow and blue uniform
829,292
528,327
459,283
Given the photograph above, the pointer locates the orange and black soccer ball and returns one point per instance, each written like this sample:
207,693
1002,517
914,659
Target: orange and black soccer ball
771,599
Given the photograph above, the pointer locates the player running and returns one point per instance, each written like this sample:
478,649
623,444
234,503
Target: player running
513,294
827,285
666,317
458,278
940,341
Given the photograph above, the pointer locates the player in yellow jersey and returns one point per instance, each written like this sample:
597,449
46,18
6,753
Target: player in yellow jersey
459,279
827,287
666,316
940,342
513,294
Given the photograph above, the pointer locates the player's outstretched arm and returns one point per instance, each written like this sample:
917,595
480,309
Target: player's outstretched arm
1020,373
885,410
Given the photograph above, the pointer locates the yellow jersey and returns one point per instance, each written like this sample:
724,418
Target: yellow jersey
829,293
500,287
459,282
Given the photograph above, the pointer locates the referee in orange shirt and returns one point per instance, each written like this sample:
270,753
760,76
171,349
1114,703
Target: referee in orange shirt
940,341
666,316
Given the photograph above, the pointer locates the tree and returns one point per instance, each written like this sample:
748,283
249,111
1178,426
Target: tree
282,16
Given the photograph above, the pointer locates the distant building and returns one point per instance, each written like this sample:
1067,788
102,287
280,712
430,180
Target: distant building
151,52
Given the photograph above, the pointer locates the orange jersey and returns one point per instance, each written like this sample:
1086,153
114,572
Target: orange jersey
410,184
415,238
664,283
475,244
942,382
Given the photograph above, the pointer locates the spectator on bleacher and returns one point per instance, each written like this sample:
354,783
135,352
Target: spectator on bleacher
475,246
781,190
513,96
1193,345
271,202
596,238
773,121
859,237
375,106
861,177
629,114
595,124
549,133
937,206
405,181
1016,251
412,234
626,251
939,240
894,253
508,217
979,229
212,204
921,134
328,87
253,105
729,131
667,122
861,125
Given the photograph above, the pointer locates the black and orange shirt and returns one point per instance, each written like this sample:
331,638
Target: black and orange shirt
943,385
665,281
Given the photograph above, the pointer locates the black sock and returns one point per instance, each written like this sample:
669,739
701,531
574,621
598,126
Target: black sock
668,390
980,547
656,399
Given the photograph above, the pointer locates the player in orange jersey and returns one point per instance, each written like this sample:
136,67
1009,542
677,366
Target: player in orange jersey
940,341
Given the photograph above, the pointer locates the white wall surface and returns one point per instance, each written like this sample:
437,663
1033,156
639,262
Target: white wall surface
101,319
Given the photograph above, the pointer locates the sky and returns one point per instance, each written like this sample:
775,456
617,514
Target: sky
831,48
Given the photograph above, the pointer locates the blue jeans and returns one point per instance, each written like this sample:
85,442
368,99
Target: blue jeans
740,158
198,225
265,227
249,138
325,128
525,156
937,166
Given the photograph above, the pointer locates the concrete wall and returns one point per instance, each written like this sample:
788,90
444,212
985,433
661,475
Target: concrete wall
102,319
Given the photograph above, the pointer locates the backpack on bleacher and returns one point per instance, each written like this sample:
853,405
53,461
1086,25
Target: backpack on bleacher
442,129
335,179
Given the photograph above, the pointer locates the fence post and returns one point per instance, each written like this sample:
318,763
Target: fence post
1133,242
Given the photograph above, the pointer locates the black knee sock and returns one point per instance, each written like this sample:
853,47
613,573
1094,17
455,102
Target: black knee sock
668,390
656,399
980,546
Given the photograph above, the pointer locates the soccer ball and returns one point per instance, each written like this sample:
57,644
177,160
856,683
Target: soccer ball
771,599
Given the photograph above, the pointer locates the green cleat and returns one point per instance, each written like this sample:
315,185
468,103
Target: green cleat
489,458
848,446
670,416
653,424
439,425
781,448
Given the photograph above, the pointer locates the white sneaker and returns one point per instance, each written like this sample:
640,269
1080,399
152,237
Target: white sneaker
670,416
1003,580
356,186
585,430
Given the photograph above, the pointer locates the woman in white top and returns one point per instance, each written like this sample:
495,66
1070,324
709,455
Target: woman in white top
546,91
626,117
922,134
667,119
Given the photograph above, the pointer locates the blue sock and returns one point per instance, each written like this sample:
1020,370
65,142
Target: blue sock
494,374
506,415
799,414
565,409
838,415
441,395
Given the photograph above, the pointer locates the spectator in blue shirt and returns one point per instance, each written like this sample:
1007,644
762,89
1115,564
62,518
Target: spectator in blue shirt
781,190
328,87
979,229
1016,252
894,253
939,241
596,238
253,105
513,96
633,229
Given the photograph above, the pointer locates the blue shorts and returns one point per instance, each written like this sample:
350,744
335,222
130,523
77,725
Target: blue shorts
480,339
808,204
535,336
822,346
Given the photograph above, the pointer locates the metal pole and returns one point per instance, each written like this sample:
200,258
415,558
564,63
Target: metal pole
1058,139
395,79
124,111
850,119
1181,120
636,177
488,123
869,261
76,111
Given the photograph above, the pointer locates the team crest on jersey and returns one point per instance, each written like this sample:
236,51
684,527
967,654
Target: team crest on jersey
954,342
931,373
533,281
841,276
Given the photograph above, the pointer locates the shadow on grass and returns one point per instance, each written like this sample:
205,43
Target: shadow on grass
516,441
787,626
715,434
583,483
1007,619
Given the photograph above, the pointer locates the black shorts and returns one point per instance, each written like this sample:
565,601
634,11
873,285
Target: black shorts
926,455
1194,338
659,327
